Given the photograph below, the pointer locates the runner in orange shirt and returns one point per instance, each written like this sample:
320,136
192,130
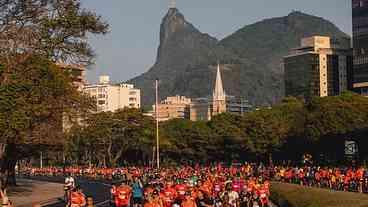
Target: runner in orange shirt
188,201
77,198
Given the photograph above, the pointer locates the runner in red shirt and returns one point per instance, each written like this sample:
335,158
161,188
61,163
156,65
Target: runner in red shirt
168,194
122,195
181,189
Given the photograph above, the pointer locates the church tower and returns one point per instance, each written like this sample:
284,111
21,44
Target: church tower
219,96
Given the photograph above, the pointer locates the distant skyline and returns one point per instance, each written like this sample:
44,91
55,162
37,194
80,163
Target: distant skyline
130,48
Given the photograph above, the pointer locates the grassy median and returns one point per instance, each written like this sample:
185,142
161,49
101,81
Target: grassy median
288,195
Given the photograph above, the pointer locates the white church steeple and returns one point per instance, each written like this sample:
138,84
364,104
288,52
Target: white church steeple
219,93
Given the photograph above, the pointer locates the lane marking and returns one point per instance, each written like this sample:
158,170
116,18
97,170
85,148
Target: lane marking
102,203
104,184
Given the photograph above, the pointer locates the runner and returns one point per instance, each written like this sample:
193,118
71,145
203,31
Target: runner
188,201
77,198
230,196
69,185
122,195
137,188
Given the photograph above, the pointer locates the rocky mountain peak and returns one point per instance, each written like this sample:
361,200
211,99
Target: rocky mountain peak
172,23
252,57
177,33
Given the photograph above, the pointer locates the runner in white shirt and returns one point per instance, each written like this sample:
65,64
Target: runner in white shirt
70,182
233,196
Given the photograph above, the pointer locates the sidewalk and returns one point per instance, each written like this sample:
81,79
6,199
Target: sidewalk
30,192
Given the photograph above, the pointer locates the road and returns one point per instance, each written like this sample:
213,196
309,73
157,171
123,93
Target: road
99,191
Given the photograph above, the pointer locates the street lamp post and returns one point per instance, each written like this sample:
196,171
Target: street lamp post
41,160
157,135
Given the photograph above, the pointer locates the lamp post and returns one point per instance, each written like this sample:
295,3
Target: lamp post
157,134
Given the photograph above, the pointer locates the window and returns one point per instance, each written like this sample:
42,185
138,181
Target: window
132,99
132,93
364,91
101,102
101,96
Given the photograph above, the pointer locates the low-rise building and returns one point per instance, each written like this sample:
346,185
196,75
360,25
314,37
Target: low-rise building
111,97
78,77
77,73
237,105
175,107
200,110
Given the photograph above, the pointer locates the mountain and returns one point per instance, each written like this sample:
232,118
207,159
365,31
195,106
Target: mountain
250,58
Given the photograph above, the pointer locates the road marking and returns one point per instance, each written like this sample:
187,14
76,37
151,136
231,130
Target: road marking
102,203
94,182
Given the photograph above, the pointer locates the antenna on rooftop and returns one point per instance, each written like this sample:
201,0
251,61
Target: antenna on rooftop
172,4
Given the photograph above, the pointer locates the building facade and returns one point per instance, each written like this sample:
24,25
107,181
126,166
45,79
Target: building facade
78,77
175,107
320,67
203,109
360,45
237,105
113,97
200,109
77,74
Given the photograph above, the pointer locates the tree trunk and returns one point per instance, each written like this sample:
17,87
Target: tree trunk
11,175
8,155
270,160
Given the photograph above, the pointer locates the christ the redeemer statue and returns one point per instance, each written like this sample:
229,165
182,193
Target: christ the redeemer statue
172,4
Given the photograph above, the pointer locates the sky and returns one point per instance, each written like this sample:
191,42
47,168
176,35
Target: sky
131,46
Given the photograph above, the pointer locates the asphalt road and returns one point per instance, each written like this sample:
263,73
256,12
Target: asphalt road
99,191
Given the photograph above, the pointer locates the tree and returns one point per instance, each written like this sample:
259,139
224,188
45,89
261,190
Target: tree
110,136
184,140
336,115
333,120
53,29
34,92
32,103
229,138
269,128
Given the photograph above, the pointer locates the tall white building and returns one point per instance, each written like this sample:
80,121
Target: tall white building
113,97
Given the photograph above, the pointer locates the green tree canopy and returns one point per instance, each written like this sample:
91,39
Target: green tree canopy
110,136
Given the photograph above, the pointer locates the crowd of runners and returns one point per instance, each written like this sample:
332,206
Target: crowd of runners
241,185
192,187
339,179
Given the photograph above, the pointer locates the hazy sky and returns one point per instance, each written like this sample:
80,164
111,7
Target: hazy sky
130,49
